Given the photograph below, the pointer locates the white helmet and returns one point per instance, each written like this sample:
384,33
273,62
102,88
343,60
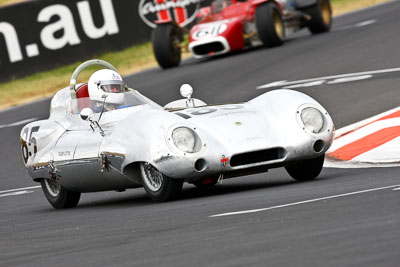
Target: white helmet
106,86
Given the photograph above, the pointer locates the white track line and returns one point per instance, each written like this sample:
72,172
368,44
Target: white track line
285,83
301,202
17,123
365,23
17,193
19,189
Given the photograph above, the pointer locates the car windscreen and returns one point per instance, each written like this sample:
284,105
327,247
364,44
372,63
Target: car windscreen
108,102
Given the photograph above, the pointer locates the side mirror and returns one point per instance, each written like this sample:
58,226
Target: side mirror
186,91
86,113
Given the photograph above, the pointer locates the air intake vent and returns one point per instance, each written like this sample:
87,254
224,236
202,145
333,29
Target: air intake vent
208,48
258,156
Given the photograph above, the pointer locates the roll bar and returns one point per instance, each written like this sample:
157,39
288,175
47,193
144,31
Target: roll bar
78,70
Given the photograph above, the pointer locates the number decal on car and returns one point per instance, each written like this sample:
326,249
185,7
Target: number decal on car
204,111
209,30
28,142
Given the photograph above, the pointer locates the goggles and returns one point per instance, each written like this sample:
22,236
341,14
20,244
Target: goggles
113,86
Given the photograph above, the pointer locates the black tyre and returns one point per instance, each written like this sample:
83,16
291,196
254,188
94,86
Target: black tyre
158,186
269,23
321,16
58,196
166,45
306,170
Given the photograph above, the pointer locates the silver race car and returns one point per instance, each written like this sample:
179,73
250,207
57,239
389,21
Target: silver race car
98,139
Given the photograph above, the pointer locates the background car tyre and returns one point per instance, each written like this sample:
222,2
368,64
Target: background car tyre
321,16
166,41
306,170
269,24
58,196
158,186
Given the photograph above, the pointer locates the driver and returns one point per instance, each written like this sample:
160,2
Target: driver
219,5
106,89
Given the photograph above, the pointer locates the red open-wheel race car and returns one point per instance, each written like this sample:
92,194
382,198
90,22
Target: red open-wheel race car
232,25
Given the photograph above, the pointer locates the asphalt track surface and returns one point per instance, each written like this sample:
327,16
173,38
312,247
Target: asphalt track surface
347,217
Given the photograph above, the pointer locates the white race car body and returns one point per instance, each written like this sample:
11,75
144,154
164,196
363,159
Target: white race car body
186,140
252,136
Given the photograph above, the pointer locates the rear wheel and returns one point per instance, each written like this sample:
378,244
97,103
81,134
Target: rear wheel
158,186
166,41
306,170
269,24
321,16
58,196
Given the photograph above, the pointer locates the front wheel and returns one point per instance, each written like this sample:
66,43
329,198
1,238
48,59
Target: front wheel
306,170
321,16
158,186
269,23
58,196
166,41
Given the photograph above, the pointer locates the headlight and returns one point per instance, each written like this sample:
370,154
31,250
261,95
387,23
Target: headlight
186,140
312,119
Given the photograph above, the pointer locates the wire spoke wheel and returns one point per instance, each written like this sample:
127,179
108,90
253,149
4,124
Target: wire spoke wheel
58,196
53,187
152,177
158,186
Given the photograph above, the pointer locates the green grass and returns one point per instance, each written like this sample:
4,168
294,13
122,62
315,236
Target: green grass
127,61
342,6
7,2
43,84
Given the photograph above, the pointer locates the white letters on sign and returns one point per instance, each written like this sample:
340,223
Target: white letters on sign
110,23
59,29
65,23
12,43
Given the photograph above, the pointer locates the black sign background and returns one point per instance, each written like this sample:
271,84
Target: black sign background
24,18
